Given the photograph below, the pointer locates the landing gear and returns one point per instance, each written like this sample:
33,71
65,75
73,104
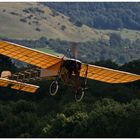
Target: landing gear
54,88
55,84
79,94
71,77
80,91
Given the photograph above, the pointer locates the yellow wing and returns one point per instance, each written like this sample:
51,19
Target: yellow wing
31,56
108,75
18,85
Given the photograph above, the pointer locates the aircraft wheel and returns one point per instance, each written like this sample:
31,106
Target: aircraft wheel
79,94
54,88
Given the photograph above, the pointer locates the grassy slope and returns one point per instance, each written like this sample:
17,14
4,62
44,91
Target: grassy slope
49,25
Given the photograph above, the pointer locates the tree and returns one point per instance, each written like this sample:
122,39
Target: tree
107,119
115,40
73,126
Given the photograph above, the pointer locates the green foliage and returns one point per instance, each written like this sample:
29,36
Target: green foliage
63,27
107,119
73,126
78,23
54,13
23,106
115,40
101,15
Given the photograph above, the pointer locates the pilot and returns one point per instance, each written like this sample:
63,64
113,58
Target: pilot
72,67
64,75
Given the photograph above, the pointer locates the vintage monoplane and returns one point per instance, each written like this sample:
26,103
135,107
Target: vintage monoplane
62,69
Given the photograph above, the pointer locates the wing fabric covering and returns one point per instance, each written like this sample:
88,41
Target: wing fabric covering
18,85
108,75
30,56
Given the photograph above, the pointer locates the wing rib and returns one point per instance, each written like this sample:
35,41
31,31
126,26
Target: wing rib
25,54
108,75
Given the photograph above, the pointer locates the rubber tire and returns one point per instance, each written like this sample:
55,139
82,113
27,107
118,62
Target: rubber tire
54,83
80,91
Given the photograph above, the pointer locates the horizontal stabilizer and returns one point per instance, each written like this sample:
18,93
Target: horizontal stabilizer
18,85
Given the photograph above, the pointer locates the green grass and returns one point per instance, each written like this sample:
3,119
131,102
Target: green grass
48,50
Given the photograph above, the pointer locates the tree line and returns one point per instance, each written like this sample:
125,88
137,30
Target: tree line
101,15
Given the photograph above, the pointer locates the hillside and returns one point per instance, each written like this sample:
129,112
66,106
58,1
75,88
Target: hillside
34,20
101,15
